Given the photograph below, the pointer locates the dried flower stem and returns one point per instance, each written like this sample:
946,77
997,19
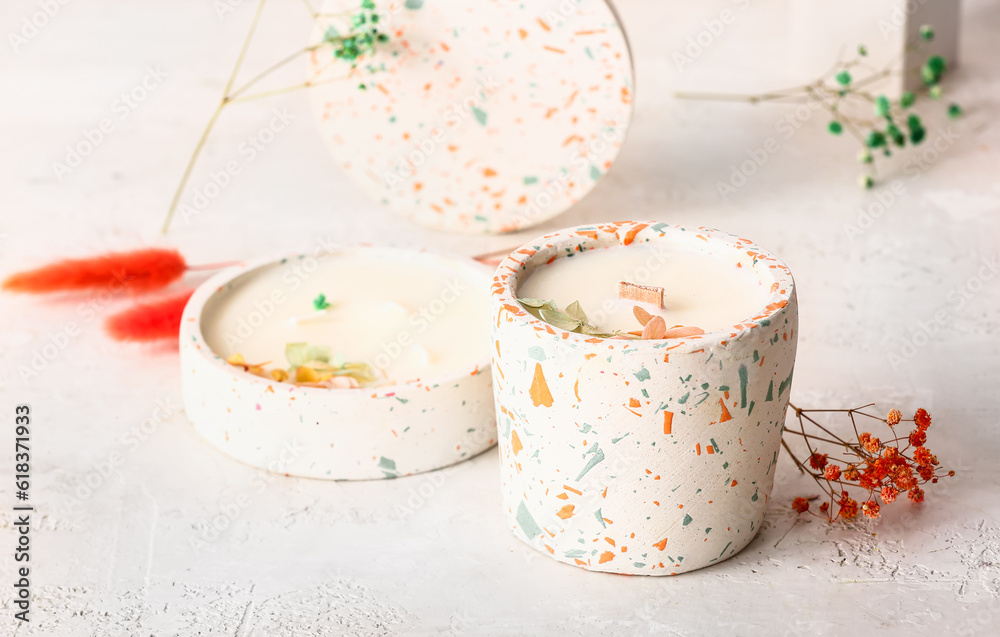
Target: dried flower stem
893,126
881,469
231,95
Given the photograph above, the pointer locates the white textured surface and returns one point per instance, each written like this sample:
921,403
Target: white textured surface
293,560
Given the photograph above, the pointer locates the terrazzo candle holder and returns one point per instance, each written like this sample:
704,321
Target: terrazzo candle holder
331,433
645,457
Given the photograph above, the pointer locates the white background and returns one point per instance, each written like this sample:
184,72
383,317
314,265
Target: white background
308,557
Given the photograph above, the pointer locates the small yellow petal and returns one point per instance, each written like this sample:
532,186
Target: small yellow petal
236,359
305,375
279,375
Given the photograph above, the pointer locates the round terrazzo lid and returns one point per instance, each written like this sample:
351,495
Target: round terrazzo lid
484,117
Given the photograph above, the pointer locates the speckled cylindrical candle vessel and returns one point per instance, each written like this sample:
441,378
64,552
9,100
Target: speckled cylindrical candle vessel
650,457
385,431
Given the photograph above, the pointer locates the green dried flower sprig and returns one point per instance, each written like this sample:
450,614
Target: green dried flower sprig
320,303
316,364
894,125
359,43
313,366
572,319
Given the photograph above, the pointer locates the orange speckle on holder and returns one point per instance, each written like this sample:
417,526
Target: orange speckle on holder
515,442
725,412
630,235
566,512
539,391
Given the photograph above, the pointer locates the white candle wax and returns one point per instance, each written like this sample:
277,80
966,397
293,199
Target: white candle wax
699,290
411,319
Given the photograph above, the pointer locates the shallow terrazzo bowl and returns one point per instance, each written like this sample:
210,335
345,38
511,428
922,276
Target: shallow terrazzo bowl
640,457
334,434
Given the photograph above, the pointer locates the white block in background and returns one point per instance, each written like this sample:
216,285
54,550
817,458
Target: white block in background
821,31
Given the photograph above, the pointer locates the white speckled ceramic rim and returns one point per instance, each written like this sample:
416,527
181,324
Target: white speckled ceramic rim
562,243
191,321
365,163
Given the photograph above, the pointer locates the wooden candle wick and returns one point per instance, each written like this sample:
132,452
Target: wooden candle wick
641,293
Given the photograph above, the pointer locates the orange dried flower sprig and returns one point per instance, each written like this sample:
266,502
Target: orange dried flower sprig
865,465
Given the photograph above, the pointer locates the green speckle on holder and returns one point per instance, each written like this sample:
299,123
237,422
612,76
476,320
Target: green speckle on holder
480,115
593,462
386,463
743,385
526,522
784,384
